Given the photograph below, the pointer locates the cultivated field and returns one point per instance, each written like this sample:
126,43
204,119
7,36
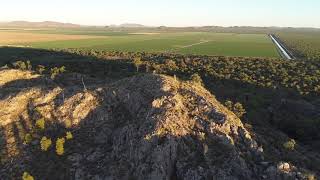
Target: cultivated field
19,38
198,43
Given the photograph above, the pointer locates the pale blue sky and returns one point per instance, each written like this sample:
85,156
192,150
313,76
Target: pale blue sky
295,13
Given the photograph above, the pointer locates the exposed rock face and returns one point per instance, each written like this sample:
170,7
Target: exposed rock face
144,127
170,130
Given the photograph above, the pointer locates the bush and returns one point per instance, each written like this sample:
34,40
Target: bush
69,135
27,138
236,108
56,71
41,69
40,123
45,143
311,176
290,145
196,78
137,63
20,65
229,105
29,66
27,176
60,146
239,110
171,65
23,65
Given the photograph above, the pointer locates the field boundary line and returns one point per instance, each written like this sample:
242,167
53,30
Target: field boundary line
202,42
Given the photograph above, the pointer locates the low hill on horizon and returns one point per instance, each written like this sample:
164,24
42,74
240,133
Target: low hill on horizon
38,24
214,28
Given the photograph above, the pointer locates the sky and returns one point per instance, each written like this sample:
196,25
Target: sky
178,13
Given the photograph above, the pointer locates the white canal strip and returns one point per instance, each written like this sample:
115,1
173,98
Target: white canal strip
283,51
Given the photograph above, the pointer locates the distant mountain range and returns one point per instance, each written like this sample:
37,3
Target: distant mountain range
49,24
53,24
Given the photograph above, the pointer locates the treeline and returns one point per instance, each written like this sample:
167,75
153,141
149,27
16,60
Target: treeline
302,76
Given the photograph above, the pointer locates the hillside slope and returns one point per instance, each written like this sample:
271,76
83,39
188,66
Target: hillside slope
144,127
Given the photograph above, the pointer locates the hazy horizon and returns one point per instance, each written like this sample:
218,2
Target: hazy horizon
177,13
132,23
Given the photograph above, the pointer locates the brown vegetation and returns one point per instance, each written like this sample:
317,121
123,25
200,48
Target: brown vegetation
18,38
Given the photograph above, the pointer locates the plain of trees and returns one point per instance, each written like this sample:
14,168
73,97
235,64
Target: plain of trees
303,45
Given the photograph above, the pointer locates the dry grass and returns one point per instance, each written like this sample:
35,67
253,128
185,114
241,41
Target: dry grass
10,38
7,76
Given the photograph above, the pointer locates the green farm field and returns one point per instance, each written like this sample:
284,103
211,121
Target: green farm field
197,43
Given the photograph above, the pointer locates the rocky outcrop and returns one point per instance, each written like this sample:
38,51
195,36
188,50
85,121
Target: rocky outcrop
143,127
170,129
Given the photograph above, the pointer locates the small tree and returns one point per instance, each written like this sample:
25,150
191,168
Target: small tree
196,79
69,135
137,63
40,124
29,66
238,109
290,145
27,176
229,105
27,138
41,69
45,143
56,71
60,146
171,65
20,65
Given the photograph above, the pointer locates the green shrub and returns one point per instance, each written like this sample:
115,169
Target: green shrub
229,105
20,65
27,176
56,71
28,65
41,69
69,135
239,110
27,138
40,123
171,65
60,146
290,145
137,63
236,108
45,143
196,78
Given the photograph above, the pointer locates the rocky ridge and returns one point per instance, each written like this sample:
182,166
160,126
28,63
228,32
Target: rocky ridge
144,127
